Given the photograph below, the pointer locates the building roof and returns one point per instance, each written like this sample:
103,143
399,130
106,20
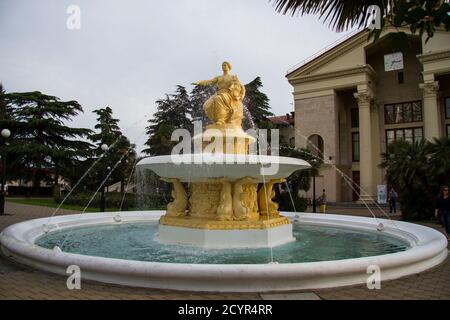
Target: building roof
285,120
349,38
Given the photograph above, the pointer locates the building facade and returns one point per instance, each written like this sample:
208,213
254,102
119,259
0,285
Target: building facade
360,95
286,126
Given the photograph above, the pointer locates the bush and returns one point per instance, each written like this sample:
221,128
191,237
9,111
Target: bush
417,170
285,203
114,200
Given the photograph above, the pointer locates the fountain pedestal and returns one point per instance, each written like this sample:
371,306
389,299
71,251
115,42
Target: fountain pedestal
226,239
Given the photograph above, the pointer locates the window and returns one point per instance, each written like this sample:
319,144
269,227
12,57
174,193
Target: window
403,112
389,114
417,110
401,77
390,136
447,108
355,147
418,134
407,134
354,113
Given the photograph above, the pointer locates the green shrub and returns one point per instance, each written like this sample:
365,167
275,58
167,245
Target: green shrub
285,203
114,200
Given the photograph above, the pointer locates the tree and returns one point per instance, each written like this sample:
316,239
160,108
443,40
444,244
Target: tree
43,145
173,112
257,103
198,97
408,170
108,128
299,180
120,152
425,16
126,166
439,161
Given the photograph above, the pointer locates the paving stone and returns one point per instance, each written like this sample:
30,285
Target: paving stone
290,296
22,282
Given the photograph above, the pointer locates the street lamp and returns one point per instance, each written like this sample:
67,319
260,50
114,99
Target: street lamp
314,162
5,134
105,148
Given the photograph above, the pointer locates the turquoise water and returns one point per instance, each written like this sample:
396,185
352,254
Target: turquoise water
135,241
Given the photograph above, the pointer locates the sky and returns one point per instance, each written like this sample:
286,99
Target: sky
128,54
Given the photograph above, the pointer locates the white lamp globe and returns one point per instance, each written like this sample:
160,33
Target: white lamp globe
6,133
104,147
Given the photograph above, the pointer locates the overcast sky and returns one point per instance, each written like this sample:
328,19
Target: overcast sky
127,54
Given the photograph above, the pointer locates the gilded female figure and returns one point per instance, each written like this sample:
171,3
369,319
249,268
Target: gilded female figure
225,106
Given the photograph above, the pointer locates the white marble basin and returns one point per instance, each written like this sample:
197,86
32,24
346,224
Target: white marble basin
428,249
203,166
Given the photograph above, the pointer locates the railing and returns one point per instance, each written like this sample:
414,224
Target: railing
323,50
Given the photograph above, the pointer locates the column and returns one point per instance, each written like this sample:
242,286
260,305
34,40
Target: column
364,99
430,110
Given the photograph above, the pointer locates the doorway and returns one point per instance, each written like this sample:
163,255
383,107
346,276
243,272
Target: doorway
356,182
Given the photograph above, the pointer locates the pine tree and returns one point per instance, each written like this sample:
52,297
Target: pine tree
173,112
120,151
43,146
199,95
108,128
257,104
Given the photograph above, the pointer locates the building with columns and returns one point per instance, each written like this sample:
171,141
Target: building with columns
357,97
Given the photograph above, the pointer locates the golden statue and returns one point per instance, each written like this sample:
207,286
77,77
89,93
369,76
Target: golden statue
225,208
240,198
225,106
179,204
268,207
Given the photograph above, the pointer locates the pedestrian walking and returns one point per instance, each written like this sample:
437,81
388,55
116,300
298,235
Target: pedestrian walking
323,202
392,198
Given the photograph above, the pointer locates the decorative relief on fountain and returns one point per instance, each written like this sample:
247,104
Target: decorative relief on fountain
244,203
177,208
225,208
267,206
204,199
225,205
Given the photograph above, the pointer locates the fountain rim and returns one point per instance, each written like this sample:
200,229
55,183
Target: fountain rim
428,249
228,158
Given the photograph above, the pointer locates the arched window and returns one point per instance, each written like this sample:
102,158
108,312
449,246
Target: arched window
315,145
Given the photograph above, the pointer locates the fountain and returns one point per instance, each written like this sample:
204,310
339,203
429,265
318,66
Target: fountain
223,231
225,208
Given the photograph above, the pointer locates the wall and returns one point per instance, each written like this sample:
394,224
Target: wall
319,116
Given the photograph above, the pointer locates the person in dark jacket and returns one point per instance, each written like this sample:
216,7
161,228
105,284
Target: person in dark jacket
443,209
392,198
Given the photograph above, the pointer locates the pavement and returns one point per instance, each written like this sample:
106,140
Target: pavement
21,282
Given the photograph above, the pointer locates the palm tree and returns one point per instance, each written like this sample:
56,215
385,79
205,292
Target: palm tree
341,14
440,162
408,170
421,15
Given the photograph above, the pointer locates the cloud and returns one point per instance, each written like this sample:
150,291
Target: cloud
128,54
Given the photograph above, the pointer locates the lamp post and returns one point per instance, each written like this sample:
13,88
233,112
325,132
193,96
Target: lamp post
104,148
5,134
314,162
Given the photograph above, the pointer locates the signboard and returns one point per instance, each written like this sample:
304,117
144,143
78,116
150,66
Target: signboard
382,194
